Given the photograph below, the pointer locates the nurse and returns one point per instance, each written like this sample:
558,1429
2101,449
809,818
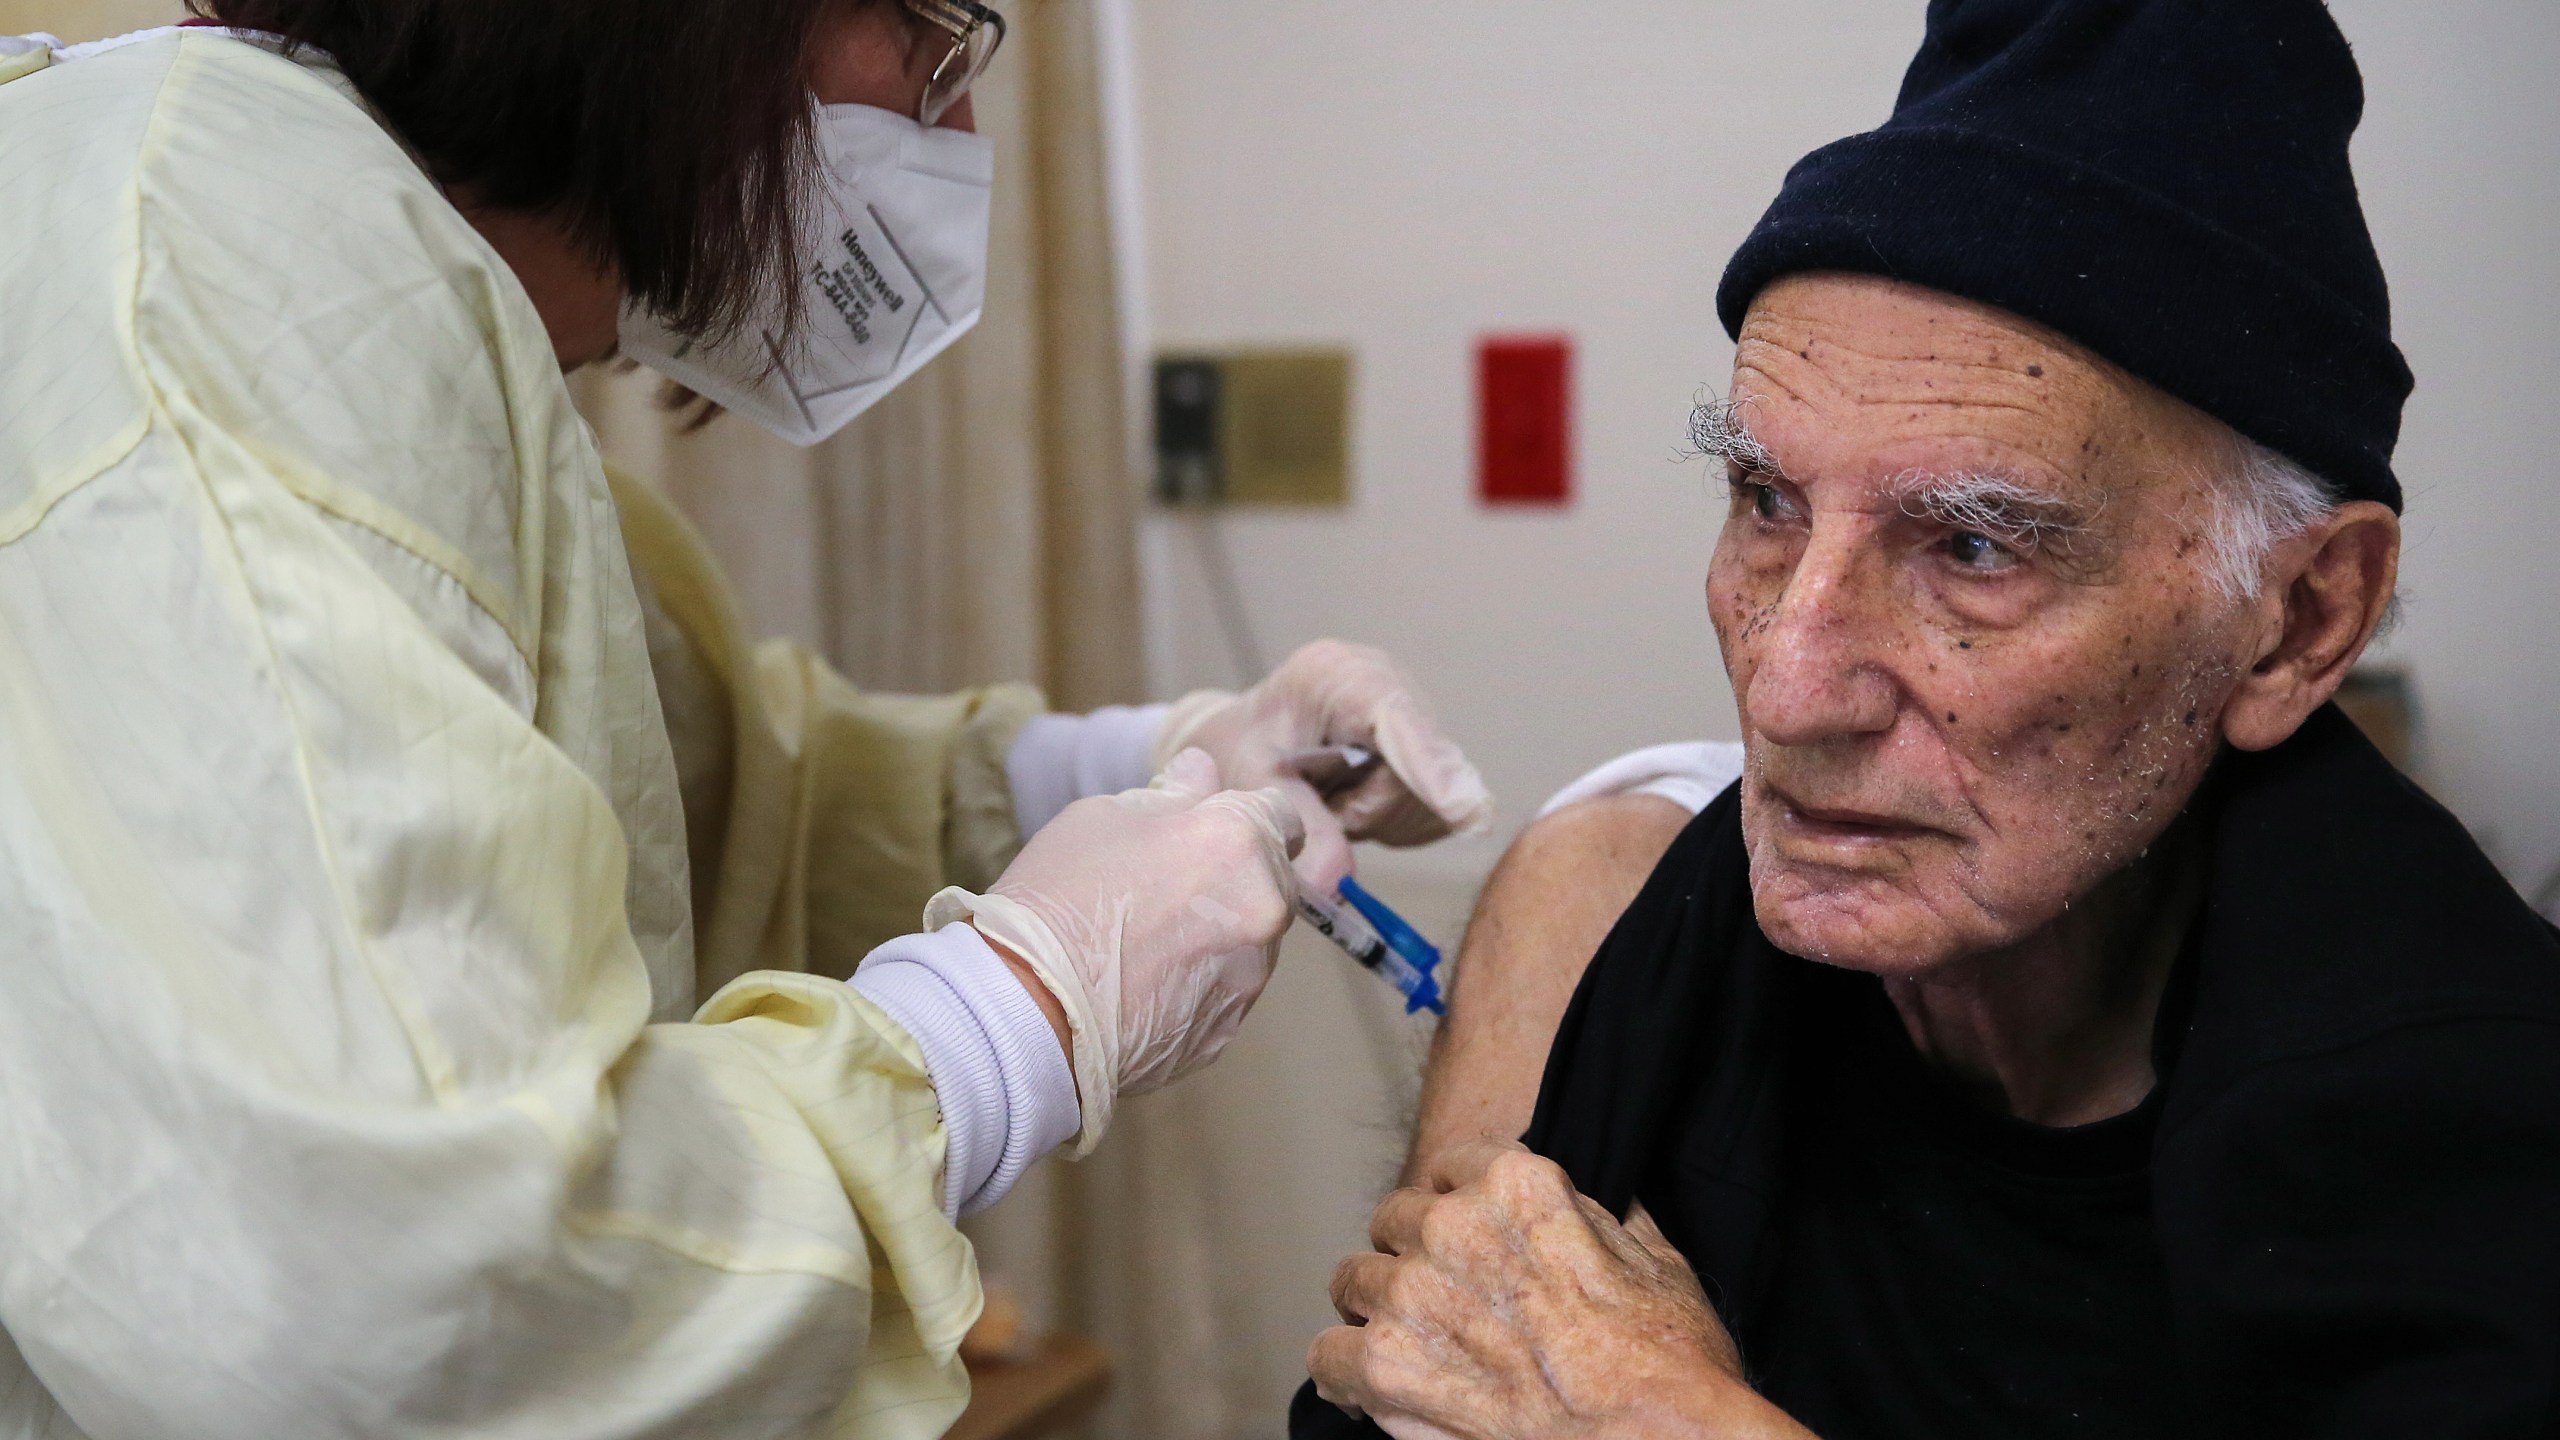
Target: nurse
381,785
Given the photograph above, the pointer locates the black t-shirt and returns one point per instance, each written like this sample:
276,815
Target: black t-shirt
1943,1270
2353,1178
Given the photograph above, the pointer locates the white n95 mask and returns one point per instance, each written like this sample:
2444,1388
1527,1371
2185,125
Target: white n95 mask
896,250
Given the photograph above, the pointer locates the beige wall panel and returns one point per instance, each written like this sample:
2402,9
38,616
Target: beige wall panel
78,20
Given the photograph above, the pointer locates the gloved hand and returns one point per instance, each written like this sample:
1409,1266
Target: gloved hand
1331,694
1153,916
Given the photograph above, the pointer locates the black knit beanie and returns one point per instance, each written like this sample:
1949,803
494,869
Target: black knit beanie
2164,181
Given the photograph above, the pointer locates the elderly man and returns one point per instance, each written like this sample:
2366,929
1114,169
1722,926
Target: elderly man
2068,1024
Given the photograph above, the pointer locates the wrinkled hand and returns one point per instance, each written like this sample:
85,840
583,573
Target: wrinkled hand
1329,694
1153,917
1503,1305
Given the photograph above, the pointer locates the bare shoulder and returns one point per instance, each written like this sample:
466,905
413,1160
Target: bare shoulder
1552,900
1614,836
1557,891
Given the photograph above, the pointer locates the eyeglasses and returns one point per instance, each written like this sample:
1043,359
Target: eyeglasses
976,32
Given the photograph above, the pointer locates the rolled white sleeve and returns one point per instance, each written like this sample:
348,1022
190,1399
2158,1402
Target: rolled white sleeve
1060,759
1007,1095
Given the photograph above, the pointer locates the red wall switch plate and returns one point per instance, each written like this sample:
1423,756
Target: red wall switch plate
1524,426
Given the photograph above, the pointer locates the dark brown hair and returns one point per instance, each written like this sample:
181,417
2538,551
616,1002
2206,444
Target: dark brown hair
672,138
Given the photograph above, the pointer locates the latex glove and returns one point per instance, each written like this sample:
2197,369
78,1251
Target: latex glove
1332,693
1154,917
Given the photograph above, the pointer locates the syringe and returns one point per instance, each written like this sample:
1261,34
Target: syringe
1361,923
1379,939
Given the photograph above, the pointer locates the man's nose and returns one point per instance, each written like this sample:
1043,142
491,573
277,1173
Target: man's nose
1820,674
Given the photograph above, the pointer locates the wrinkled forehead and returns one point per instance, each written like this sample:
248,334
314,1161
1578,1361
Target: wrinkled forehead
1853,380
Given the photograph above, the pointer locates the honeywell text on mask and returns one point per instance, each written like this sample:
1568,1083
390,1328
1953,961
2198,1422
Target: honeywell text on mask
857,288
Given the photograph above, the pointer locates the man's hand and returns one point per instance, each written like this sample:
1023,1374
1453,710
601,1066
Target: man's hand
1503,1305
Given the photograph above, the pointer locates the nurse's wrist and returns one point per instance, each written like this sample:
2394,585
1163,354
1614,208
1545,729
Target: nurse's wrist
991,1054
1050,1009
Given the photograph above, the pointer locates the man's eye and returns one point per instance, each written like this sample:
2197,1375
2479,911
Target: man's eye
1976,551
1766,502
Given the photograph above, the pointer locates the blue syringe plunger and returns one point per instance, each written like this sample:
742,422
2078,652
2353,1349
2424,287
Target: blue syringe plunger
1412,962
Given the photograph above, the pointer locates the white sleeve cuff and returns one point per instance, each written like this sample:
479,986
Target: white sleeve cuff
1690,776
1058,760
1007,1095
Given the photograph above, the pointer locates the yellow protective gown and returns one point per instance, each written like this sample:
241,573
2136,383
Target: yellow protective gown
347,938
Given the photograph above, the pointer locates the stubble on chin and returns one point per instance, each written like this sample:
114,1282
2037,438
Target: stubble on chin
1898,915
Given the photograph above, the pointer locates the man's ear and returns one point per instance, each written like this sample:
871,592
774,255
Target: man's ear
2335,583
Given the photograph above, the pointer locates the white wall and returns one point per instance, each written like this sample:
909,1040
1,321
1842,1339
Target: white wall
1403,175
2460,163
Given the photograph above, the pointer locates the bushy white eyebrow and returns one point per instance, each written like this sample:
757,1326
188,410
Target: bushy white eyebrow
2003,507
2009,510
1717,432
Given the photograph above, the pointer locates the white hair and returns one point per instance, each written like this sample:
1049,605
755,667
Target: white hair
1717,431
2019,515
2260,500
